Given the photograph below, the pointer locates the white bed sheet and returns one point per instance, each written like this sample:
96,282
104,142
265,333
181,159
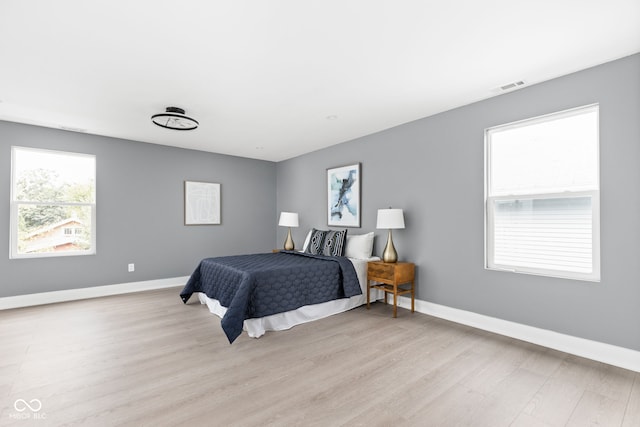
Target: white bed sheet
281,321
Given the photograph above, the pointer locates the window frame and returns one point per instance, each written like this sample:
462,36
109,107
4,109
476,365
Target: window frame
13,207
489,200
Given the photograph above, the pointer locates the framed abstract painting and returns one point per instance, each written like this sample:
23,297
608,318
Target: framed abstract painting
343,196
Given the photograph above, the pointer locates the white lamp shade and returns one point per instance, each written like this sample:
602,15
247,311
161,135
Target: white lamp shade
390,219
288,219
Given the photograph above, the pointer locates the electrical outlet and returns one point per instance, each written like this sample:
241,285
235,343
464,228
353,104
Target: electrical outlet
132,267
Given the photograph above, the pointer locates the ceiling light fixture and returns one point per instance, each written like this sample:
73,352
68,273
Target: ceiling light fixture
174,118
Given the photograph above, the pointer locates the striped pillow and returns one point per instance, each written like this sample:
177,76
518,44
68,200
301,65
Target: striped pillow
334,243
316,242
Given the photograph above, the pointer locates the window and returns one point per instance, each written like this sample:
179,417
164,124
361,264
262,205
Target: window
53,203
542,195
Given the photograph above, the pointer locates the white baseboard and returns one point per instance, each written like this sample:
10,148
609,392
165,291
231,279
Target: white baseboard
85,293
594,350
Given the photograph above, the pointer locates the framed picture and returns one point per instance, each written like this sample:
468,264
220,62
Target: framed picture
201,203
343,196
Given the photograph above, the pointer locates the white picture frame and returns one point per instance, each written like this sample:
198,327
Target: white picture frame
201,203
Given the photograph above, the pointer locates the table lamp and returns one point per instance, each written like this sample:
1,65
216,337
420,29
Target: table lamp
390,219
288,219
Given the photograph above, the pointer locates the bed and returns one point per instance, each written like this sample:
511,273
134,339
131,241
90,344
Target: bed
276,291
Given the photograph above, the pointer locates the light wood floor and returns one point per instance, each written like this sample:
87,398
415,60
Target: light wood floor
147,359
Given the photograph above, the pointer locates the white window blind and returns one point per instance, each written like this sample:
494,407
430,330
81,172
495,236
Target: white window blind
553,234
542,203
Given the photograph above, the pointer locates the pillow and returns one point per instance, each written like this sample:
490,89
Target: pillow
359,246
334,243
306,241
316,242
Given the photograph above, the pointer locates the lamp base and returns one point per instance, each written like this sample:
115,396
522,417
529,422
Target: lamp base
389,254
288,244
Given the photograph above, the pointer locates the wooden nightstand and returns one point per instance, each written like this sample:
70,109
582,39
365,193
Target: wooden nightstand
390,277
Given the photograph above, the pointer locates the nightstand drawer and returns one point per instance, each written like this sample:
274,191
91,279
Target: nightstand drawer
381,270
399,272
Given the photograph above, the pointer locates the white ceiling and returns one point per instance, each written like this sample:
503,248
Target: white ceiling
273,79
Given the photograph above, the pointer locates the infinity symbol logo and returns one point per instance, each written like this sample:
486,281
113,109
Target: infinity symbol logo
21,405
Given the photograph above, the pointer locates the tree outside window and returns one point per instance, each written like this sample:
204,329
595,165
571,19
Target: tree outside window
52,203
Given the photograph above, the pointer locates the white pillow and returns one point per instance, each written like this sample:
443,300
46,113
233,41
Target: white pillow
306,241
359,246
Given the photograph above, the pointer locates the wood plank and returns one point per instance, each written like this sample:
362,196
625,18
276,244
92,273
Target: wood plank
632,411
597,410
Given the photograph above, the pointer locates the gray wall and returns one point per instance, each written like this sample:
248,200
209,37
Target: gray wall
433,168
140,212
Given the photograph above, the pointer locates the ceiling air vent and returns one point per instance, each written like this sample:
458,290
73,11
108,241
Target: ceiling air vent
511,85
72,129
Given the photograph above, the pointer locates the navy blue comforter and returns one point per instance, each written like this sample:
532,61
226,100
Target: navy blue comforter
252,286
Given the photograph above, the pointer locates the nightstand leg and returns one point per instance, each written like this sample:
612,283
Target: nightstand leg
368,291
395,301
413,297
